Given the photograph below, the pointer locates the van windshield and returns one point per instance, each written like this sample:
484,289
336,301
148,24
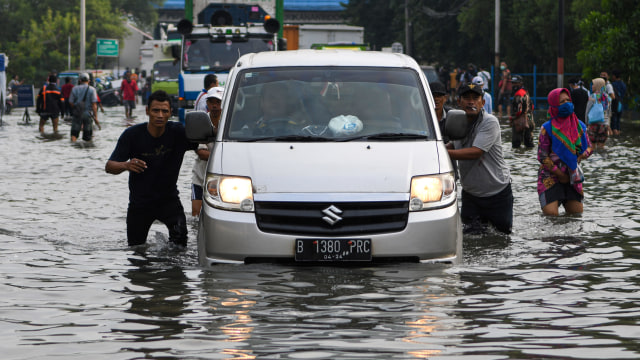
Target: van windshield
328,104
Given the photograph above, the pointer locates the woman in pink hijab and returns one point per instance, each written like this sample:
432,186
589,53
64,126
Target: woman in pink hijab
562,145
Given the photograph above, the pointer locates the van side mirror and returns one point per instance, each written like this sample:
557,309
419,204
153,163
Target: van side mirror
457,125
198,127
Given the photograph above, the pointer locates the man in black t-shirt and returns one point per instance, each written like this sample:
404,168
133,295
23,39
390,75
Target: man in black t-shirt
579,97
152,152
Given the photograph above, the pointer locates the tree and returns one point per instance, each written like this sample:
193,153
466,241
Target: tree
35,37
436,39
383,21
599,34
43,45
17,15
609,41
142,12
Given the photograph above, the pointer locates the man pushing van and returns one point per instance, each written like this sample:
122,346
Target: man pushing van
485,177
152,152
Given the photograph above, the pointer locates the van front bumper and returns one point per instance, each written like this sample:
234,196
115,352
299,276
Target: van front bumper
233,237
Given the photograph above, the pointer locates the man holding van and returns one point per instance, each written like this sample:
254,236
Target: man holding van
485,178
152,153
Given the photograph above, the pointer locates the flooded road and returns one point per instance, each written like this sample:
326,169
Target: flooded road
557,288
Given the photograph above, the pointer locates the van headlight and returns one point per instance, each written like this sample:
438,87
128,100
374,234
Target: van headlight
229,192
432,191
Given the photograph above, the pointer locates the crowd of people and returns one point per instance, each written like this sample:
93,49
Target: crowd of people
78,103
579,121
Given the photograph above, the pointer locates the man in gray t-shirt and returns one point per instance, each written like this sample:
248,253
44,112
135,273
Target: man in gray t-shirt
485,178
83,93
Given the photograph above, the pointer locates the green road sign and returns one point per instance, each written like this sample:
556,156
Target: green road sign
107,47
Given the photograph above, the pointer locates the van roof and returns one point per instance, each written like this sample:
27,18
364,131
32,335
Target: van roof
328,57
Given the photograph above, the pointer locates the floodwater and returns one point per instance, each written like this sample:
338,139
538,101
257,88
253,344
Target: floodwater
557,288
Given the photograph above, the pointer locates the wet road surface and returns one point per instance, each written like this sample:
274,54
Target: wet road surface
557,288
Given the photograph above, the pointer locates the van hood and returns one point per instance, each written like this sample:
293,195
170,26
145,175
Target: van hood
342,167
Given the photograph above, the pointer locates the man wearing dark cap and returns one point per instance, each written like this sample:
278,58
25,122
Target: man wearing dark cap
440,97
485,178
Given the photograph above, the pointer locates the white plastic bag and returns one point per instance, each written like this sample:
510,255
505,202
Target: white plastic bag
344,125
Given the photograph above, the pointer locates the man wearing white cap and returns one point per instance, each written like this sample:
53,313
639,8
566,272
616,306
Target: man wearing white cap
488,103
214,105
210,81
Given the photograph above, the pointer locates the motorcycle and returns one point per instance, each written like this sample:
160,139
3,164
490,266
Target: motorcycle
109,96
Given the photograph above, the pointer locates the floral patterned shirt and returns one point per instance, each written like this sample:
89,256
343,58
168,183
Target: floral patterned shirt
549,160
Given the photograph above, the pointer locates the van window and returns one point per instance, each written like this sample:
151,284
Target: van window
328,103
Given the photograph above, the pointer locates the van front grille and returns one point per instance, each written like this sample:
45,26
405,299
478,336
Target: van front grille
350,218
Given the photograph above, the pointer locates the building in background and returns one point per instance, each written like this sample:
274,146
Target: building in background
295,11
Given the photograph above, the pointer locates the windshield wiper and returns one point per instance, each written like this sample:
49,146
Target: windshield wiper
292,138
387,136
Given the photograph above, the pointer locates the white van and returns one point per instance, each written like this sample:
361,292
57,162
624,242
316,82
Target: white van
327,156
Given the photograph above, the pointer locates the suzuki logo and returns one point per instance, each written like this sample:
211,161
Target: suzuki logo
332,213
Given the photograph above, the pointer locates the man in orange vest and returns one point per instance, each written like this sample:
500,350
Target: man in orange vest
49,104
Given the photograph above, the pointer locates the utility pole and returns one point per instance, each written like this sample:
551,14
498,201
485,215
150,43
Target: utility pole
83,33
560,43
497,35
280,17
407,30
188,10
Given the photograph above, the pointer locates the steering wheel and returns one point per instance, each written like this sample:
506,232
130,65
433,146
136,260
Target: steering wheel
276,126
279,122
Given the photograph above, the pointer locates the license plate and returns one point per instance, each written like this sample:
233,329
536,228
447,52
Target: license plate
333,250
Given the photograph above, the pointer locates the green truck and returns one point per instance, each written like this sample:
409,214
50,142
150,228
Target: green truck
165,77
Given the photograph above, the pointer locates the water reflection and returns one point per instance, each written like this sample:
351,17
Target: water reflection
325,312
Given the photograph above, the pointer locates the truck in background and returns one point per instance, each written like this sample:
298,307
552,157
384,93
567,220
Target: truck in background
319,36
152,51
220,33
